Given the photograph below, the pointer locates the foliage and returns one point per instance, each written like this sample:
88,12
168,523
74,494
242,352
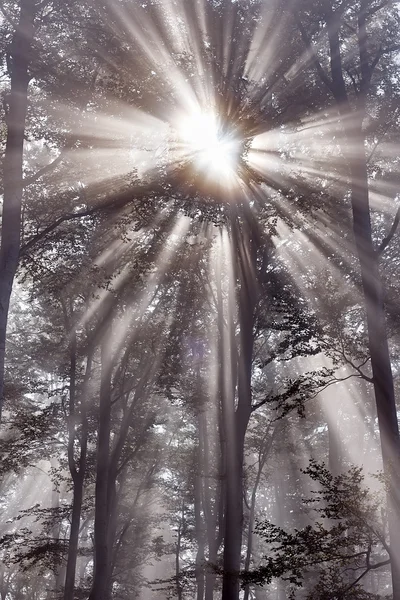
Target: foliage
347,539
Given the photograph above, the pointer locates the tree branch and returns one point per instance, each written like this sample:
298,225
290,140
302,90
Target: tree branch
310,47
46,169
377,8
386,241
114,203
368,568
355,367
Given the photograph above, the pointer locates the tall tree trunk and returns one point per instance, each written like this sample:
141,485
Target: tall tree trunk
53,589
21,51
378,348
262,457
69,586
101,519
233,492
199,523
279,509
250,528
178,578
245,251
368,259
213,511
111,530
77,472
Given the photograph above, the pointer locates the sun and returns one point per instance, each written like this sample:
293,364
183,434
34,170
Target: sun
213,150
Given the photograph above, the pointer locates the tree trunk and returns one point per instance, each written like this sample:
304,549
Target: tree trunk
178,579
199,523
279,509
233,488
21,51
233,525
211,510
77,472
101,519
250,533
111,533
69,586
368,258
378,348
263,455
245,251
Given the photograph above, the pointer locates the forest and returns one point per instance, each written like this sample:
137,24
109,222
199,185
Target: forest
199,299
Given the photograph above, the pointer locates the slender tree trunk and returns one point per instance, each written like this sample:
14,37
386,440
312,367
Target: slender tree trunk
77,474
233,526
378,348
111,535
53,589
211,510
178,582
250,528
279,509
69,586
21,51
368,259
200,540
263,455
101,519
199,521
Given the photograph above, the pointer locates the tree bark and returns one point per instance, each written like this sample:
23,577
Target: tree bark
101,520
198,468
266,445
178,579
21,51
378,348
244,250
250,528
368,260
77,474
211,510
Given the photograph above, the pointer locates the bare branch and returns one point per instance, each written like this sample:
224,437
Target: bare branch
386,241
43,171
332,382
367,570
381,52
353,81
378,7
356,367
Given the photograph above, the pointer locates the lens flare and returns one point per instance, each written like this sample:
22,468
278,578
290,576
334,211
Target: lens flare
213,151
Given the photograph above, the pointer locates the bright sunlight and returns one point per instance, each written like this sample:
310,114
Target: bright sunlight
213,151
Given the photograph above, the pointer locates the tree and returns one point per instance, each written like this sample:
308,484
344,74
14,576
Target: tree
345,544
19,60
360,75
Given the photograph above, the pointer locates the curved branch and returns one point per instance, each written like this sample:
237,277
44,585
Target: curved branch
47,169
386,241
